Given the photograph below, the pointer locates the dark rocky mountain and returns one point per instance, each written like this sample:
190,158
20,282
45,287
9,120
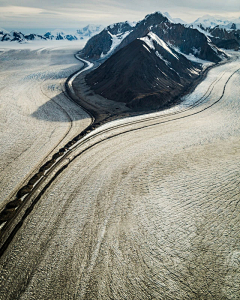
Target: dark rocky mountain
188,40
145,74
104,43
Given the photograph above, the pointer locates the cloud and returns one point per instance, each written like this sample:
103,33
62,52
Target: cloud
75,13
19,10
48,13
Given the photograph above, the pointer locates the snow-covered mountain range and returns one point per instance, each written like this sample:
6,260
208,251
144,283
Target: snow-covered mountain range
205,24
57,34
208,21
223,32
187,39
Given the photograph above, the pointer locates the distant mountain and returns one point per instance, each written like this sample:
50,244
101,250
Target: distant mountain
145,74
15,36
104,43
208,21
187,39
80,34
89,30
57,34
224,33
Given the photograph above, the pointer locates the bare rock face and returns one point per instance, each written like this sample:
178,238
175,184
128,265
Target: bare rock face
228,44
146,74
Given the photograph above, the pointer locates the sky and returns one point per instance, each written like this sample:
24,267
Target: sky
51,14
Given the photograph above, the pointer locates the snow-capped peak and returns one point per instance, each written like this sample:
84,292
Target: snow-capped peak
165,15
173,20
90,30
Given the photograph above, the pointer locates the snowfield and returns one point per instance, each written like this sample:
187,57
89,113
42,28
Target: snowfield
152,213
35,115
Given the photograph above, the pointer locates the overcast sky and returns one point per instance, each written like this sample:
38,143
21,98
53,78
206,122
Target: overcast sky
18,14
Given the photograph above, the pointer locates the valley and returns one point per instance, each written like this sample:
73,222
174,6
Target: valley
119,171
148,207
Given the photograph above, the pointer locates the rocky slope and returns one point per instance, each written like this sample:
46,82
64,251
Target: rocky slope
146,74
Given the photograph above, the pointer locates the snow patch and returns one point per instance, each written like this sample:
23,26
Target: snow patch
193,58
116,40
153,37
146,48
160,56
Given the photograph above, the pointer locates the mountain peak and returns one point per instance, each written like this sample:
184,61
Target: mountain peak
156,14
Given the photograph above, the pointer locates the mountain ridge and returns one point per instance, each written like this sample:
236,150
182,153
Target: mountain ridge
184,37
57,34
